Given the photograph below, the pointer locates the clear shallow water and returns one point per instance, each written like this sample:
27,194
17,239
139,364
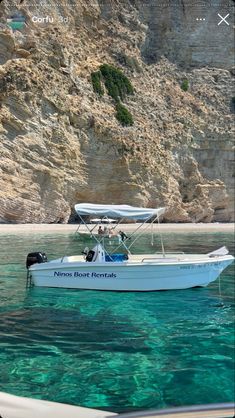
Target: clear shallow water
115,351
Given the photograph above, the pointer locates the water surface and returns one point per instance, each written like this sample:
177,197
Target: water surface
115,351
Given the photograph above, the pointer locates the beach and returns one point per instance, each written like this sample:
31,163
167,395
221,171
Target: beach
6,229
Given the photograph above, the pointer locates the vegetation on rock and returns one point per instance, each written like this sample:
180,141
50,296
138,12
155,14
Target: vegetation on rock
96,82
116,83
185,85
118,87
123,115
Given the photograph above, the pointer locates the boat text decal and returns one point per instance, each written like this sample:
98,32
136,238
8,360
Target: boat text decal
84,275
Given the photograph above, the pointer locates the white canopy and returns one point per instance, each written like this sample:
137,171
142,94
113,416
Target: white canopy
117,211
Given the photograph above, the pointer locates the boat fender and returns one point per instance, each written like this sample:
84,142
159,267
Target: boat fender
33,258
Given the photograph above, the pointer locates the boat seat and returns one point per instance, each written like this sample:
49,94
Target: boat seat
116,258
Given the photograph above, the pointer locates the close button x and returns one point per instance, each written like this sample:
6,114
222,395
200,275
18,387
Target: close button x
223,19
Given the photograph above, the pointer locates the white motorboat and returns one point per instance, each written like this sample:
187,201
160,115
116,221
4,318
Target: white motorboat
99,269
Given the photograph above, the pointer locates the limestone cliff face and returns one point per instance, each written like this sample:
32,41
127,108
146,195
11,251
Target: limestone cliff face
60,142
174,31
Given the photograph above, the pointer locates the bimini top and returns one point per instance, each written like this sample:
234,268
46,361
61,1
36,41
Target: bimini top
117,211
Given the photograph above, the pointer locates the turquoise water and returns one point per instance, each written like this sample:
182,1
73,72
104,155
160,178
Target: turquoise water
115,351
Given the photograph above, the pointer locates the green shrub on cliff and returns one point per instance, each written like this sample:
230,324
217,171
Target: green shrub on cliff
116,82
185,85
123,115
96,82
118,87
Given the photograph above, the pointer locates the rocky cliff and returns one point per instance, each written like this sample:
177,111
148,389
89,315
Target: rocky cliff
61,143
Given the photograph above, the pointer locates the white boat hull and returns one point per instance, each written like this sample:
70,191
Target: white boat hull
161,274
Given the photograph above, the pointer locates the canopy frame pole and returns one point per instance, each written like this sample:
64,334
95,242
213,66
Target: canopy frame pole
152,234
106,223
93,236
162,245
94,227
134,232
121,243
139,235
77,232
114,226
90,230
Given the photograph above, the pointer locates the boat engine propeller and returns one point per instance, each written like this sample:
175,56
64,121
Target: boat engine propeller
33,258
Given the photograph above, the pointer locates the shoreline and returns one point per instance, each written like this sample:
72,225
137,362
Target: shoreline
71,228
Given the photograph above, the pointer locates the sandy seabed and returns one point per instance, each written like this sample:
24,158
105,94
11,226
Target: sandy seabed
71,228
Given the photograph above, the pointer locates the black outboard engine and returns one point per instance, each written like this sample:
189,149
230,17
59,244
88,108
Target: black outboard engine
90,256
33,258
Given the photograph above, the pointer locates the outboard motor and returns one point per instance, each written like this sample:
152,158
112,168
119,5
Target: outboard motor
90,256
33,258
96,254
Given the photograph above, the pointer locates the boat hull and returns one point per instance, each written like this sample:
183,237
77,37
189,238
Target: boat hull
128,276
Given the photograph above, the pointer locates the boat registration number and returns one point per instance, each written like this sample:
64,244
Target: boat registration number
194,266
